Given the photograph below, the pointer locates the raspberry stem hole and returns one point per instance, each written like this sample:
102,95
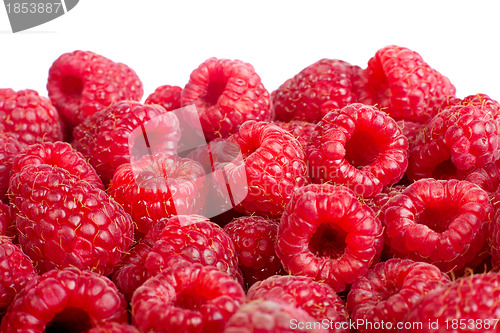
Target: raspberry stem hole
362,149
214,91
69,320
437,218
72,87
328,241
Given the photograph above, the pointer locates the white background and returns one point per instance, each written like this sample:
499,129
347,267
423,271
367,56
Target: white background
163,41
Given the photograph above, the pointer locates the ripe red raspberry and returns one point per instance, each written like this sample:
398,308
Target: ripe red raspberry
468,304
486,177
186,298
317,299
64,221
388,291
263,316
327,80
494,231
30,117
457,140
115,135
274,167
6,226
481,101
254,238
327,234
359,147
9,148
441,222
62,300
81,83
301,130
16,269
226,93
190,238
411,130
59,154
167,96
114,328
402,84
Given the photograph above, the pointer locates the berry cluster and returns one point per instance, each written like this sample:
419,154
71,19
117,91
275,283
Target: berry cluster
349,199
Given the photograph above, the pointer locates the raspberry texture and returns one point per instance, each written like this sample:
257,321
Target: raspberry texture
186,298
301,130
472,300
114,136
226,93
359,147
317,299
458,140
167,96
67,300
16,270
30,117
274,167
254,239
9,148
158,186
264,316
80,83
327,234
191,238
388,291
59,154
114,328
442,222
402,84
6,227
64,221
330,81
494,231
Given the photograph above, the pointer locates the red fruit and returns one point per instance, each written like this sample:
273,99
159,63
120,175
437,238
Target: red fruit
317,299
16,269
59,154
226,93
330,81
254,238
457,140
402,84
124,132
158,186
64,221
114,328
81,83
262,316
327,234
9,148
437,221
494,231
167,96
6,227
29,117
411,130
486,177
388,291
301,130
468,304
63,300
274,166
359,147
186,298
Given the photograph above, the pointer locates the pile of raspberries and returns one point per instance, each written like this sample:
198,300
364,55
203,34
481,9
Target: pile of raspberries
349,199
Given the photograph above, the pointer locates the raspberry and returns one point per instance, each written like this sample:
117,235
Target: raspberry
301,130
186,298
6,227
59,154
81,83
64,221
30,117
158,186
411,130
472,300
441,222
9,148
67,300
327,234
359,147
274,167
317,299
114,328
167,96
388,291
254,238
108,137
327,80
226,93
16,269
481,101
486,177
401,83
263,316
494,231
190,238
457,140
